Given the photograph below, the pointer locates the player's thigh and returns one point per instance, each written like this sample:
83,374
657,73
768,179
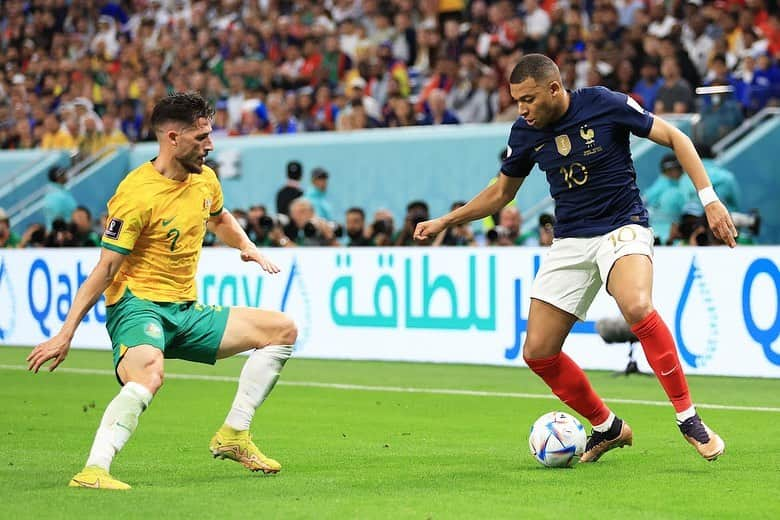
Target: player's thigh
631,284
569,276
547,329
625,262
249,328
142,364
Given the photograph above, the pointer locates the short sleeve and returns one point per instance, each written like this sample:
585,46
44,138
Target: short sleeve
217,199
124,223
628,113
518,161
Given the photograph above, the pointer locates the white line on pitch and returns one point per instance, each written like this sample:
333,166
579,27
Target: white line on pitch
407,390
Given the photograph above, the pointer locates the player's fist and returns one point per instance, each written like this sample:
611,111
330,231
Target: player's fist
427,230
720,223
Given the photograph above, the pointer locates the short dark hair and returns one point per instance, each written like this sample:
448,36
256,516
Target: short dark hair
535,66
355,209
417,205
181,107
85,210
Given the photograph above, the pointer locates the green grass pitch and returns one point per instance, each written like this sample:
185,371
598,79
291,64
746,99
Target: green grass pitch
369,450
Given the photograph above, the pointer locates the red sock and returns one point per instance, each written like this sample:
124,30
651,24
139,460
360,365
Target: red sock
661,353
567,380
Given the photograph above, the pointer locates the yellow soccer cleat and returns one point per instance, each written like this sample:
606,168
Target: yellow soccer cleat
236,445
96,478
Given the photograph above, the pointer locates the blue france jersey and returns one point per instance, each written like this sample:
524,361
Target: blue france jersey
587,159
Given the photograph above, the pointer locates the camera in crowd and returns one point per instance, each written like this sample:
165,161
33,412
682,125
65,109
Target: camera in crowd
498,232
312,230
750,221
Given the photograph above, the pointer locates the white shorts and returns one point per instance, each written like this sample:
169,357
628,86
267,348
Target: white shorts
574,268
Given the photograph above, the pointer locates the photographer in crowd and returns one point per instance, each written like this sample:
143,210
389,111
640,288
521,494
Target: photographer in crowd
416,212
307,229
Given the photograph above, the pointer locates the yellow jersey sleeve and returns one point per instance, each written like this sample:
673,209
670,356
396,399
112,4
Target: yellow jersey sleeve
217,200
126,220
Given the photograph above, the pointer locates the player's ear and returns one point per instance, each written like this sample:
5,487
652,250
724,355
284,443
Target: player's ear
555,87
172,136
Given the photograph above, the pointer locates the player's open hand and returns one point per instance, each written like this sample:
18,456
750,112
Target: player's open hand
251,254
720,223
427,230
55,348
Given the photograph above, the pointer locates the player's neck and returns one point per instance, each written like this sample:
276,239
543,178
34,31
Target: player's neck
170,168
564,107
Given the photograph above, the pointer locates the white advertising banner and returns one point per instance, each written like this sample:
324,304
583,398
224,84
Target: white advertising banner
453,305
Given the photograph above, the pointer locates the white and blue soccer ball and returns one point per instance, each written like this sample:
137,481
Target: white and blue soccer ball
557,440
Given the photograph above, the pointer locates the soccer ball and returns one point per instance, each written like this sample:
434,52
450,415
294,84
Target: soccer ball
557,440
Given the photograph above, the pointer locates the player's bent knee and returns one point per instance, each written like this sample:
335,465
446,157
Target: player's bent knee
537,348
287,332
637,311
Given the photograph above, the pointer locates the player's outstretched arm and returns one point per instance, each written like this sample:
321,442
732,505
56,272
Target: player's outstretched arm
230,232
487,202
88,294
718,216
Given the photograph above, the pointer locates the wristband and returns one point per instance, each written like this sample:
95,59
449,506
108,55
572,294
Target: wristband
707,196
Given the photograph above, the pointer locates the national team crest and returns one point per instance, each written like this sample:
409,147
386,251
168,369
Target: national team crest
588,135
563,144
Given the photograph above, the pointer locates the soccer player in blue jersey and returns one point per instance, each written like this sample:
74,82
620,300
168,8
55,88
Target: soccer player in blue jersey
580,139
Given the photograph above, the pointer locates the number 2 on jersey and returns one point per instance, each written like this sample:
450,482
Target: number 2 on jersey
175,234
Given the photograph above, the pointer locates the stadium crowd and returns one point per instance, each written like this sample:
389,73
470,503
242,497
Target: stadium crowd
83,76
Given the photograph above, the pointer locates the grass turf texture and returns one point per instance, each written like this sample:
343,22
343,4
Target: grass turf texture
349,453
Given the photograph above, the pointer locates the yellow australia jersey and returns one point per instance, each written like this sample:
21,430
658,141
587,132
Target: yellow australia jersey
159,223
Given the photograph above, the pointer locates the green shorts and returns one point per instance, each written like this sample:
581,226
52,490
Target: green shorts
182,330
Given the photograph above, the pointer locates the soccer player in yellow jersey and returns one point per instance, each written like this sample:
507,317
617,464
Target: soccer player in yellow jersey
156,222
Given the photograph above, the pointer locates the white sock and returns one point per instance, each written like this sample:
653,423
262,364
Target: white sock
606,424
118,424
685,414
258,377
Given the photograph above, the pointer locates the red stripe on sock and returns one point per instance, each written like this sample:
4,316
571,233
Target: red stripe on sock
567,380
661,353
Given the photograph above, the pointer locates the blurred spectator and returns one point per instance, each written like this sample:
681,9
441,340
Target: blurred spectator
720,114
317,194
58,203
416,212
460,235
480,103
34,236
306,228
291,189
81,228
437,112
355,223
665,198
113,134
55,135
675,95
508,230
649,84
8,238
60,235
723,181
382,229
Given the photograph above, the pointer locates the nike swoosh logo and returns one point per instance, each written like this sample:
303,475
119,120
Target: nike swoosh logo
669,372
93,485
168,221
537,148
